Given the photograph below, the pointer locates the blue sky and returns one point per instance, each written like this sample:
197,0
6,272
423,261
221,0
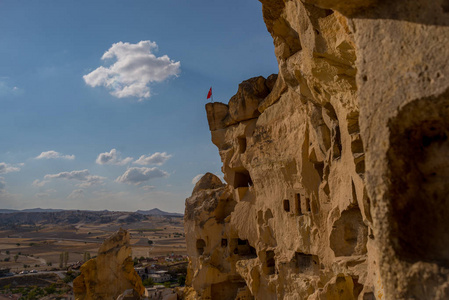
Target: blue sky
128,131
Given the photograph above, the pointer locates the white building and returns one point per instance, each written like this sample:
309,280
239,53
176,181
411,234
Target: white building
160,276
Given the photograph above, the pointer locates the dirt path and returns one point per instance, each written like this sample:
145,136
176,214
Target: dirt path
40,259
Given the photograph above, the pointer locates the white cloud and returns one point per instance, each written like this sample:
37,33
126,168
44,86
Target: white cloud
197,178
91,181
157,158
78,175
76,194
112,158
136,67
39,183
84,176
148,187
138,175
6,168
54,155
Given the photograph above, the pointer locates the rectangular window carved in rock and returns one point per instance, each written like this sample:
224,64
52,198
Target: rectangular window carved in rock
305,205
242,144
270,263
242,179
287,205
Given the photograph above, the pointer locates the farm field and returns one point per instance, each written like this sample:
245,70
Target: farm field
38,246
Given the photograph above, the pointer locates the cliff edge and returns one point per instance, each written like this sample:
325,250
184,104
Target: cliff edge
336,167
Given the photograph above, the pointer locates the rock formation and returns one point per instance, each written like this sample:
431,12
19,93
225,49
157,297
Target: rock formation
111,273
336,168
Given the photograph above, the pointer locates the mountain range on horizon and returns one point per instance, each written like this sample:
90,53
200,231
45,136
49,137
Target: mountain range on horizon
151,212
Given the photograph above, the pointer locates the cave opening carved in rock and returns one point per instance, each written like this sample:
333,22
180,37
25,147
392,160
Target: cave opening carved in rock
224,243
305,205
286,203
200,245
243,248
224,208
349,234
419,176
242,179
242,144
270,263
306,263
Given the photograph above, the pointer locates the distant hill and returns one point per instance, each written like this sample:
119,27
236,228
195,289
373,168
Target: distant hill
158,212
41,210
11,217
9,211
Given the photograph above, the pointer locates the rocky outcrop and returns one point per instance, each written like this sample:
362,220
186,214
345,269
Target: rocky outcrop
336,167
111,273
212,270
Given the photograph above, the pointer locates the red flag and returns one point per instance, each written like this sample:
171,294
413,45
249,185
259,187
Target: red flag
210,93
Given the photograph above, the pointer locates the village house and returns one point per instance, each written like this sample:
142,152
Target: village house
160,276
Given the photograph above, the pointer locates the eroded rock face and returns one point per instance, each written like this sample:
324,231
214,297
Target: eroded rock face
111,273
337,187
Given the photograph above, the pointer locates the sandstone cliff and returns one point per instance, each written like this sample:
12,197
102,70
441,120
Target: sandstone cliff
111,273
336,168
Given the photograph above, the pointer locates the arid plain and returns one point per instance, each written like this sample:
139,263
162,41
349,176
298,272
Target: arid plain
37,242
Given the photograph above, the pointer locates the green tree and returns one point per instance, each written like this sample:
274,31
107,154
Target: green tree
182,280
148,282
7,252
51,289
31,295
66,258
61,259
86,256
16,257
70,275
